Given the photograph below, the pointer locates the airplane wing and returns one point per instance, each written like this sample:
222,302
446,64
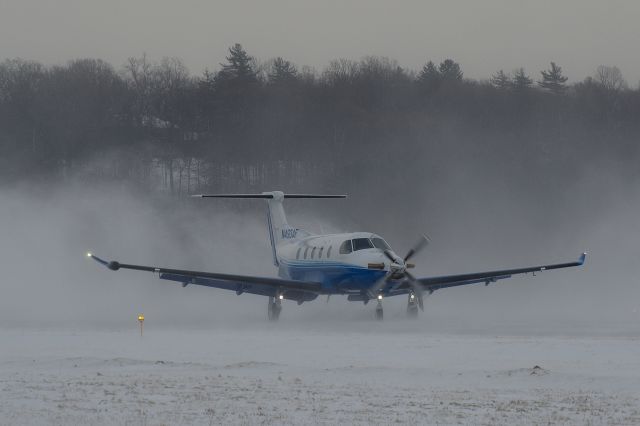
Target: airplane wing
300,291
432,284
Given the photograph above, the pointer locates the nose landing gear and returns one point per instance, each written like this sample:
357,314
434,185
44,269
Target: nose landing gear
412,306
274,308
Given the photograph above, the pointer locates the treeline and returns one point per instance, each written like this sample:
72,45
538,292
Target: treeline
249,123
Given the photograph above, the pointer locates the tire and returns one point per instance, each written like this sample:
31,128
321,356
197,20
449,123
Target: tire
412,310
273,310
379,313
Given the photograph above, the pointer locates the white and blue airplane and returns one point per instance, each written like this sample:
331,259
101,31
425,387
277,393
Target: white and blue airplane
360,265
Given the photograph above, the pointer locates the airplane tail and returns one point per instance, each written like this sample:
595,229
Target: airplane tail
279,229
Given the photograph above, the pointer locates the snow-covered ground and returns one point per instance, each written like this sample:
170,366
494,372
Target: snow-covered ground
367,373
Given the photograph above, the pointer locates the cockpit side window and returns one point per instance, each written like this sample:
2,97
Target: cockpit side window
306,249
345,248
380,243
361,244
313,252
320,252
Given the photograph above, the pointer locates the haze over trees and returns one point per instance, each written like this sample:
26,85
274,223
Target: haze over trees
252,125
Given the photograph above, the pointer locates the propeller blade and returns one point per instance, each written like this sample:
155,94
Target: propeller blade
417,289
375,288
422,243
388,254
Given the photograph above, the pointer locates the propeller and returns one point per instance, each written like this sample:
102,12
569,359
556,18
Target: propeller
417,289
399,267
422,243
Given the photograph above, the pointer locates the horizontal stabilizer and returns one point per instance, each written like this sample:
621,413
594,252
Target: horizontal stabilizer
267,196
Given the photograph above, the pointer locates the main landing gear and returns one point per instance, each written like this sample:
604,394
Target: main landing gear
379,311
412,306
274,308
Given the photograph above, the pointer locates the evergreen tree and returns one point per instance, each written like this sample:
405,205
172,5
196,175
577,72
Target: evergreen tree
239,67
521,81
282,72
429,76
553,80
235,89
501,80
450,70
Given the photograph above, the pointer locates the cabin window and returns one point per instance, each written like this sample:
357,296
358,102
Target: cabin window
329,252
313,252
361,244
320,253
380,243
298,253
345,248
306,249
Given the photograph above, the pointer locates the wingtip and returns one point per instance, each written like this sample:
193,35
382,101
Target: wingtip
583,258
97,259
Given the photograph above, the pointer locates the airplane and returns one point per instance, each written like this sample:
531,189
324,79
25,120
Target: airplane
360,265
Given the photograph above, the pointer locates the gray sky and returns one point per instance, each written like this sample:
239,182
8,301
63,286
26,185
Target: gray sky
482,35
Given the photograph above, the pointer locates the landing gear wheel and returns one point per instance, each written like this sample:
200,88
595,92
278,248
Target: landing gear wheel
274,308
379,312
412,311
412,307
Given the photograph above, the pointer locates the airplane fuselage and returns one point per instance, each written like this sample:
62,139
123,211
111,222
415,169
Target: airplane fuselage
342,263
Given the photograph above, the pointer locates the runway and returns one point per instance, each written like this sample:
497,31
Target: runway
365,373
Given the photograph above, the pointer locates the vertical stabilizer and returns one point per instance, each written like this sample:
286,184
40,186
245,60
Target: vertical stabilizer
282,230
279,230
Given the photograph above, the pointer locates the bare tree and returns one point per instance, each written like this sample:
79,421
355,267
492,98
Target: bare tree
610,77
341,71
138,75
170,80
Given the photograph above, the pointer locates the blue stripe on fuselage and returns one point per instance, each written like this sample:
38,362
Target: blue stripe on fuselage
334,276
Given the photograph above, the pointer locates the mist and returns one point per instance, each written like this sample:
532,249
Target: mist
499,172
48,281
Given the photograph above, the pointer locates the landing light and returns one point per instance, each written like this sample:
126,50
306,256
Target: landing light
281,297
89,254
413,296
379,297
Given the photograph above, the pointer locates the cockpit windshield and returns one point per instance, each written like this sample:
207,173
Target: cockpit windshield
361,244
356,244
380,243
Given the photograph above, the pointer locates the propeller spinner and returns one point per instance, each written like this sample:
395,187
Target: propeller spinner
398,269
